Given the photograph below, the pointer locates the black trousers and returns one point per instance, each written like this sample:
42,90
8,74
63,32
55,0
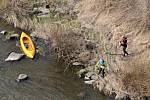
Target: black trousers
124,50
102,72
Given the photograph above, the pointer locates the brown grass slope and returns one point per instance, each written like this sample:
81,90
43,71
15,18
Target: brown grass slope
129,17
17,12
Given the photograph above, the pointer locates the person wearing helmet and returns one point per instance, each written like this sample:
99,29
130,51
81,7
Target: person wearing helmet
123,43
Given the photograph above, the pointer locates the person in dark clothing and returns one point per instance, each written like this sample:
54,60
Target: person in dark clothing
123,43
102,72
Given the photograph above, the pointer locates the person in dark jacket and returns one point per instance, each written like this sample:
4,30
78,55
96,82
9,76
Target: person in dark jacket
123,43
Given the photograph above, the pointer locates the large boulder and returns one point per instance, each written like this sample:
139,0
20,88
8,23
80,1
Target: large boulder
14,56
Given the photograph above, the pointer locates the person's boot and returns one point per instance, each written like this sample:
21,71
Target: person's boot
124,55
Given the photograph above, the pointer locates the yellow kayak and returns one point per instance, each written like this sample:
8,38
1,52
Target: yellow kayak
27,45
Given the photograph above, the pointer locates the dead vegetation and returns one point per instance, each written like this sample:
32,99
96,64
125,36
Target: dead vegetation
67,38
17,12
129,17
136,78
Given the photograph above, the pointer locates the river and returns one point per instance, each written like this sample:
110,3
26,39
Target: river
47,79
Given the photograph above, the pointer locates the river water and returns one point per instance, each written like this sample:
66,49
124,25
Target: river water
47,79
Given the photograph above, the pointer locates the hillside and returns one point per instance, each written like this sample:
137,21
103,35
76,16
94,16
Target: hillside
123,17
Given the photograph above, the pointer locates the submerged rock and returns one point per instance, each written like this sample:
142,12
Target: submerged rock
22,77
10,36
14,36
14,56
3,32
81,94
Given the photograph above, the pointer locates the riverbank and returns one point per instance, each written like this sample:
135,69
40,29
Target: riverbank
73,36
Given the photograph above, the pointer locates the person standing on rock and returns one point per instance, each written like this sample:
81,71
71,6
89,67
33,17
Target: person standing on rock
123,43
101,66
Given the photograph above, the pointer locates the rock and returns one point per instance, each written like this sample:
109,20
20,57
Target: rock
89,82
44,10
11,35
18,44
77,64
42,16
36,11
22,77
14,56
41,11
94,77
82,73
3,32
120,96
37,51
86,78
14,36
89,74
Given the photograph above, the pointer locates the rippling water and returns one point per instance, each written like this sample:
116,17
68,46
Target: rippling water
47,79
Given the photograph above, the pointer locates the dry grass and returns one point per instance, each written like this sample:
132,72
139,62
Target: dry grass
65,36
136,77
17,12
130,17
